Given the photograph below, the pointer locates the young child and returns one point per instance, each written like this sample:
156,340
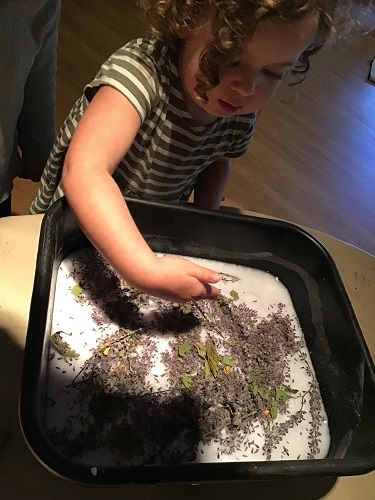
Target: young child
164,117
28,41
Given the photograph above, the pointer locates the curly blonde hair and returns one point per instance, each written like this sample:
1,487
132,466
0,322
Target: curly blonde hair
233,20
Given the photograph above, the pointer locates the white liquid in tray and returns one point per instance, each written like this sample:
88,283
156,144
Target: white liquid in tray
67,412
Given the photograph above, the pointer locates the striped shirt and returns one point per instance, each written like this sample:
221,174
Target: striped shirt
170,148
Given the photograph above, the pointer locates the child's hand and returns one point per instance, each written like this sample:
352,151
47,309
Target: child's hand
180,280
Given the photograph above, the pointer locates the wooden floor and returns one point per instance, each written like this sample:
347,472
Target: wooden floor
312,161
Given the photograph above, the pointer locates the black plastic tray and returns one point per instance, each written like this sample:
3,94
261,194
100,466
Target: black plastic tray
343,365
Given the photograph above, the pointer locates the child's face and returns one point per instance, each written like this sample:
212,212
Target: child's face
246,86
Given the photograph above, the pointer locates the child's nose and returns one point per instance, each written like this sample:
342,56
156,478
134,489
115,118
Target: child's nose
244,86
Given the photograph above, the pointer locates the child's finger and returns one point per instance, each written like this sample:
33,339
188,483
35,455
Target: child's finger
205,275
212,291
208,292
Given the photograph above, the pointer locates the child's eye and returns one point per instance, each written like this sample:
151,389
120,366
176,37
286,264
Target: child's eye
234,63
271,74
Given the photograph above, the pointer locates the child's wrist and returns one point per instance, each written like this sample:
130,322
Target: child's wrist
143,272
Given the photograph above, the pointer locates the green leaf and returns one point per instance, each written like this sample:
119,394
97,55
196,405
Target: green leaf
261,368
223,304
187,381
228,361
183,349
71,353
77,290
207,368
258,371
254,388
201,350
274,410
228,277
234,295
62,347
264,394
281,395
212,357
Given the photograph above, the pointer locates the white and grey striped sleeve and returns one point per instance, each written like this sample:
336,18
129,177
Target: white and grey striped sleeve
133,72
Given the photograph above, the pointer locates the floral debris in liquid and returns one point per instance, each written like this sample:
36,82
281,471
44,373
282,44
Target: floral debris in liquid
137,380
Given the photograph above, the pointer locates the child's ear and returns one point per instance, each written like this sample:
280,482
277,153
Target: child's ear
183,32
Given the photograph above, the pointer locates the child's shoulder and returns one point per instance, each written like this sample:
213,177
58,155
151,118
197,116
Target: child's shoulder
143,50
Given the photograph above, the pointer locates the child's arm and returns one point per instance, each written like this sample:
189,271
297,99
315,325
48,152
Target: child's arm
210,186
104,134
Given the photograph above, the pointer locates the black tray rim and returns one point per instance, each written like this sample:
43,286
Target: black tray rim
40,446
